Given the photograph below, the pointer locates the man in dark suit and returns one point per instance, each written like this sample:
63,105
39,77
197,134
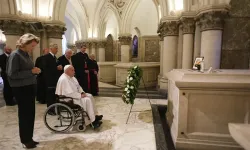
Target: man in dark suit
7,92
80,63
93,71
51,71
41,86
65,59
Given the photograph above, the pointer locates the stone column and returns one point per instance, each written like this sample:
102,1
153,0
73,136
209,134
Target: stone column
13,30
54,34
101,50
93,47
161,58
88,47
170,31
197,41
188,42
211,37
125,40
37,52
180,48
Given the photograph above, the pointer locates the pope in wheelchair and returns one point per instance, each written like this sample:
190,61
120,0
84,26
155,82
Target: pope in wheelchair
73,108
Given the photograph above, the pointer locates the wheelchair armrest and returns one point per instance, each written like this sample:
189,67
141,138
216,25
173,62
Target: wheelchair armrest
62,97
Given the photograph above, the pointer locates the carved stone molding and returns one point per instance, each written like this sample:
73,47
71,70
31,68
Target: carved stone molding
12,27
188,25
213,20
125,40
55,31
71,46
101,44
168,28
80,43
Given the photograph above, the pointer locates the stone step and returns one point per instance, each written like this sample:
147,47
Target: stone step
137,95
121,90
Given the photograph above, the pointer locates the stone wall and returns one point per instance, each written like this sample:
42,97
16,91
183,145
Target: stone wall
236,36
150,49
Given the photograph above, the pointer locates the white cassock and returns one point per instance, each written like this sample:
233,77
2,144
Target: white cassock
69,86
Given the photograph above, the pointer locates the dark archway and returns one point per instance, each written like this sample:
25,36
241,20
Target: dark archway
109,48
135,47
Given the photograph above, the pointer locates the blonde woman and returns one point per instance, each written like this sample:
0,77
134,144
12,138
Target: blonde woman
22,78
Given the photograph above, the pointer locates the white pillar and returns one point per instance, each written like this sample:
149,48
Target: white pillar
101,50
161,59
188,42
180,48
161,42
211,38
169,30
93,48
197,41
125,40
170,53
211,48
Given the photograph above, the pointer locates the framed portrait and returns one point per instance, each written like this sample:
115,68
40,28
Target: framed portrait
197,61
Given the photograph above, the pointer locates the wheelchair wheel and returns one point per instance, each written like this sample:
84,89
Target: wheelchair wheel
59,118
80,127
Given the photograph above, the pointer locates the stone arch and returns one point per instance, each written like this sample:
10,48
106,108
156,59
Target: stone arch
109,11
78,18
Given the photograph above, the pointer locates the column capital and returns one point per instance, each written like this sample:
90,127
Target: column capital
71,45
212,20
80,43
55,31
168,28
188,25
125,39
12,27
101,44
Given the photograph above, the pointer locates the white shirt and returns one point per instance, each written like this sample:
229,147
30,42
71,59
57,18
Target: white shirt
52,54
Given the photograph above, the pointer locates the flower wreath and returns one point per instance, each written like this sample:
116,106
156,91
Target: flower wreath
131,84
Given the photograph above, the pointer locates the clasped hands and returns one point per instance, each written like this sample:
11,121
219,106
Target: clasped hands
36,70
83,95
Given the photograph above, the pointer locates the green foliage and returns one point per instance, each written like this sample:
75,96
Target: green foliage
131,84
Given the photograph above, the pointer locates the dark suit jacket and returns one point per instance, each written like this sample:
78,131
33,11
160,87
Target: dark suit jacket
80,63
51,73
3,61
62,60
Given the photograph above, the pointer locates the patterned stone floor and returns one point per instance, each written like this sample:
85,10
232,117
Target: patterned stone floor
114,134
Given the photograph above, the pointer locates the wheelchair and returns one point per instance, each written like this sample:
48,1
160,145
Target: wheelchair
63,115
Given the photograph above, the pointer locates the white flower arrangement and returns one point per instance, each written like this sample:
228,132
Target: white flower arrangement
131,84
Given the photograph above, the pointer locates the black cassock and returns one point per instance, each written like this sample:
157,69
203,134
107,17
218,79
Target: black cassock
80,63
7,92
41,82
93,66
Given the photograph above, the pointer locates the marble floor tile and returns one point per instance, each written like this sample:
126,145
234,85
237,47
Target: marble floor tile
114,133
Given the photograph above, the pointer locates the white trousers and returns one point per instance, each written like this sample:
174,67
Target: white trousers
88,104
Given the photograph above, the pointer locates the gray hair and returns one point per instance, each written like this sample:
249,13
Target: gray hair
92,55
53,45
68,50
26,39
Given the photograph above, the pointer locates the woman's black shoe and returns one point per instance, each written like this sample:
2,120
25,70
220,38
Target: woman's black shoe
35,142
29,145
